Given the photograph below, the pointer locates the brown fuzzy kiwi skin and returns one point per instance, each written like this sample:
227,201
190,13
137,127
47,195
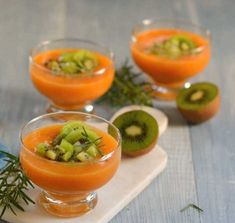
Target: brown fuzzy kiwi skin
142,151
203,114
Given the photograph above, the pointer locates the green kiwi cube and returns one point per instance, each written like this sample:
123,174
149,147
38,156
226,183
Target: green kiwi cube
65,130
92,151
85,59
77,148
93,136
69,67
89,64
58,139
83,156
54,66
82,55
42,148
61,150
66,146
175,42
79,56
66,57
50,154
70,125
184,46
74,136
67,156
73,125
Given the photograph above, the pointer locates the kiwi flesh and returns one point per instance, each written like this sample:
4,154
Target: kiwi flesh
139,131
76,142
199,102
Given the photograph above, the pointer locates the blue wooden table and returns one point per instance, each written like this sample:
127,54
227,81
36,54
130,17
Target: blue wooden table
201,167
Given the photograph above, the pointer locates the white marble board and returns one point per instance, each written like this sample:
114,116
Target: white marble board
131,178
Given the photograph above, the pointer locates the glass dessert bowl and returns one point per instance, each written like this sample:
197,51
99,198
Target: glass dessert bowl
69,160
170,52
71,73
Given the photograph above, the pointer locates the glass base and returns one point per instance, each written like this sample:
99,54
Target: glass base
66,205
167,93
87,108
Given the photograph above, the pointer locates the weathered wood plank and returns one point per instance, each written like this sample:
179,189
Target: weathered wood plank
213,142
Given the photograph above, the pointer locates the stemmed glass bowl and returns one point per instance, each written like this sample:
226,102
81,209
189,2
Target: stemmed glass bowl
68,188
168,74
71,92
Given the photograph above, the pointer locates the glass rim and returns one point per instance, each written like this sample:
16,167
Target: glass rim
41,117
148,21
70,39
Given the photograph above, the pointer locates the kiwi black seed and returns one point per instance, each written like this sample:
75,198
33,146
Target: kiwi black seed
139,131
199,102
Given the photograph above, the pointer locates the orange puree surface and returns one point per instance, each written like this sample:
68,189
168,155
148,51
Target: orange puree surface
68,91
62,177
162,69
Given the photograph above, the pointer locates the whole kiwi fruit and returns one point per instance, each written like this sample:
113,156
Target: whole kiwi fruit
199,102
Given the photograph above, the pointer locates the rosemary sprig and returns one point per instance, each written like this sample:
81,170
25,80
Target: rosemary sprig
13,184
192,206
88,142
126,89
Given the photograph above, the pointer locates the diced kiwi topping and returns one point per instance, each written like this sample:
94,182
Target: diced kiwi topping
174,47
73,63
76,142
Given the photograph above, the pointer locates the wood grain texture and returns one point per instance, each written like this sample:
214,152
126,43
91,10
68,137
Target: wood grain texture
201,167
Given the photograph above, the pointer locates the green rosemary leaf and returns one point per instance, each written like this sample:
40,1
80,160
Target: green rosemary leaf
100,151
29,183
17,205
193,206
127,90
26,197
88,142
13,183
3,211
12,210
9,155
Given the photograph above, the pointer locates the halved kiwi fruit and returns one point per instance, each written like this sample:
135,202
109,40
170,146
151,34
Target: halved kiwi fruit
139,131
199,102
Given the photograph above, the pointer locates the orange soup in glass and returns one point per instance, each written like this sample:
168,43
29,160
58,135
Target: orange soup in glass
68,186
170,52
71,73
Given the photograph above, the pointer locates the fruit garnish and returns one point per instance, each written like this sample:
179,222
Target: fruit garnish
76,142
174,47
139,131
73,63
161,118
199,102
14,184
